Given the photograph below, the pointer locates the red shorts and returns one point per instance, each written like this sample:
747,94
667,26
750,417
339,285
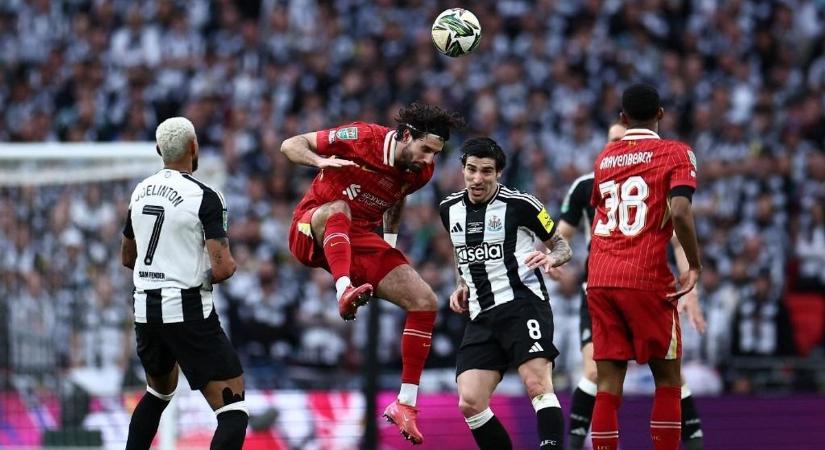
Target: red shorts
372,257
633,324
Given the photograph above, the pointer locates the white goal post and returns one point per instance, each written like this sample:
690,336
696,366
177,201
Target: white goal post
56,163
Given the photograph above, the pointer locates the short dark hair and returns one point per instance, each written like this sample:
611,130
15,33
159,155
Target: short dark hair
640,102
421,119
483,147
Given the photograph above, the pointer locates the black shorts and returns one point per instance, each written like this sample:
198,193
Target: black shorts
507,335
200,347
585,324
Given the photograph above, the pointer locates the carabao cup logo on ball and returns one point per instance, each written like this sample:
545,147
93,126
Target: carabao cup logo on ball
456,32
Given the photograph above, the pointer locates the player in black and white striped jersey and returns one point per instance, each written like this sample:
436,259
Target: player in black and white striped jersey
495,230
176,243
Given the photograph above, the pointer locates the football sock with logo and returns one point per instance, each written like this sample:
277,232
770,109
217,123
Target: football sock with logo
488,432
231,430
605,429
337,247
665,420
415,347
691,424
581,413
550,421
145,419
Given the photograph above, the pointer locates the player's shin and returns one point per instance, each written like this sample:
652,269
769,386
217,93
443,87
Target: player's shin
605,431
415,347
665,420
692,435
488,431
550,421
337,249
581,413
145,419
231,431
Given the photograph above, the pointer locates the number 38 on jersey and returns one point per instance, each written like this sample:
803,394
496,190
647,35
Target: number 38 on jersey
627,201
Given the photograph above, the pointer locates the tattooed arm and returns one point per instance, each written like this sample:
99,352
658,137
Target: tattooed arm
560,251
223,264
392,222
558,254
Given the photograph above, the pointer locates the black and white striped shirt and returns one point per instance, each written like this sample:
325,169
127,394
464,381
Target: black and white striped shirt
171,214
491,242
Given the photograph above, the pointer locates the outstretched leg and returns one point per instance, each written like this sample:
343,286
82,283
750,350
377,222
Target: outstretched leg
404,287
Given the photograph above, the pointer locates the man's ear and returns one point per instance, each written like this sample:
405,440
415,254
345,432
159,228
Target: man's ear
660,113
157,149
623,119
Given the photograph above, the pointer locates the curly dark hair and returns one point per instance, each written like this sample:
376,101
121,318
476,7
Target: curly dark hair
421,119
483,147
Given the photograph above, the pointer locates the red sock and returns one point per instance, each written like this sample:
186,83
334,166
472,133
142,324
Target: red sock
415,344
605,425
666,419
336,245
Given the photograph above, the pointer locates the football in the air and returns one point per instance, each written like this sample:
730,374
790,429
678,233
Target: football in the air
456,32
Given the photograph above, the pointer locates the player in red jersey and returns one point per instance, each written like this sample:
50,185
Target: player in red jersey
367,170
642,192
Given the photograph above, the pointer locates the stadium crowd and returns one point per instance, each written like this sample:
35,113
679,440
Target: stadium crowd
743,83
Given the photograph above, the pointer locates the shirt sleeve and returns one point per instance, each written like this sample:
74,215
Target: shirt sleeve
213,216
128,232
345,141
576,201
444,212
684,167
536,218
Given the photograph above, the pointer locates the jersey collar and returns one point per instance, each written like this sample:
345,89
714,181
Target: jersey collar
635,134
389,148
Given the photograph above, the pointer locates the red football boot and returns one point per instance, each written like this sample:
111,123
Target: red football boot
352,298
403,416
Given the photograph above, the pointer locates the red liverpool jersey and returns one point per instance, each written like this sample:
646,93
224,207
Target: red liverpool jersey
632,227
374,186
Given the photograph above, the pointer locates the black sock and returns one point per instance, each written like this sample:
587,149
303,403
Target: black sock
144,423
492,436
551,428
581,413
691,425
231,430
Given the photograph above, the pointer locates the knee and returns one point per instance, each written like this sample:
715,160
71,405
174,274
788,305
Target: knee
472,405
339,206
537,385
423,299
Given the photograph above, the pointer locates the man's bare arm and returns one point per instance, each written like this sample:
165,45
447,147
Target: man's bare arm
560,250
223,264
301,149
128,252
566,230
392,217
